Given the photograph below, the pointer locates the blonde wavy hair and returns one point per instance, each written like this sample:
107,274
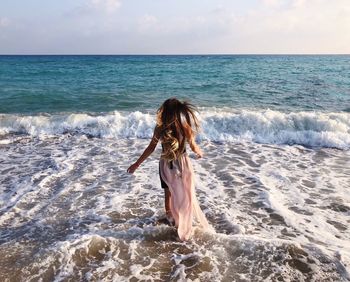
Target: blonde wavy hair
177,123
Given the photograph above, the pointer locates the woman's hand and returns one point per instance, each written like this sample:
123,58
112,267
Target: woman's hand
132,168
150,148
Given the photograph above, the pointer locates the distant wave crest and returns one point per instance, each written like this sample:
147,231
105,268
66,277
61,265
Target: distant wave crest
312,129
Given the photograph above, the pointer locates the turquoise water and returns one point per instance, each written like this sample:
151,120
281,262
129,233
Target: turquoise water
51,84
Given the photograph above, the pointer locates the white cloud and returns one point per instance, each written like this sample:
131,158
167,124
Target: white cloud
295,26
4,21
149,19
108,6
298,3
271,26
272,3
276,26
147,22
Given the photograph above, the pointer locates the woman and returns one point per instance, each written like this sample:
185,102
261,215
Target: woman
177,125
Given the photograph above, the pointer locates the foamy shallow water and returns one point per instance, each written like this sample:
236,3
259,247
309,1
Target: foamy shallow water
69,212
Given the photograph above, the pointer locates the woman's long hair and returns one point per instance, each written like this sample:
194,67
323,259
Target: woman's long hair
176,119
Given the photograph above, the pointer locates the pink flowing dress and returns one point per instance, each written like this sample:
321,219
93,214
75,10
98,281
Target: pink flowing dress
179,177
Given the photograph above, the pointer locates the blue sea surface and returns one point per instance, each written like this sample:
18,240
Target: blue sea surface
95,84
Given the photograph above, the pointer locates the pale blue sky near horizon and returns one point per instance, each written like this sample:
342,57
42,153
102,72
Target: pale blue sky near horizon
175,27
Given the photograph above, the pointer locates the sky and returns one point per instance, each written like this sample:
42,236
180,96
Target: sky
175,27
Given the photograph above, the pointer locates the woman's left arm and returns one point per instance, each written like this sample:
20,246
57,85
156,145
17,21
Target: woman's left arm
148,151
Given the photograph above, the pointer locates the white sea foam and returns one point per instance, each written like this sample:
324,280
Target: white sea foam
312,129
279,213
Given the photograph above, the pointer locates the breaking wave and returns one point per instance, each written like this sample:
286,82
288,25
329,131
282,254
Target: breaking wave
311,129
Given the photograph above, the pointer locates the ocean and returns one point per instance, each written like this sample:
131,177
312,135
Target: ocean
274,181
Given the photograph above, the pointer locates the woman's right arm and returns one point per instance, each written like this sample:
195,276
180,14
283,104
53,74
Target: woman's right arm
149,150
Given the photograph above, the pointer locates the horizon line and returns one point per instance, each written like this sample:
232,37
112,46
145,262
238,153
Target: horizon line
177,54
